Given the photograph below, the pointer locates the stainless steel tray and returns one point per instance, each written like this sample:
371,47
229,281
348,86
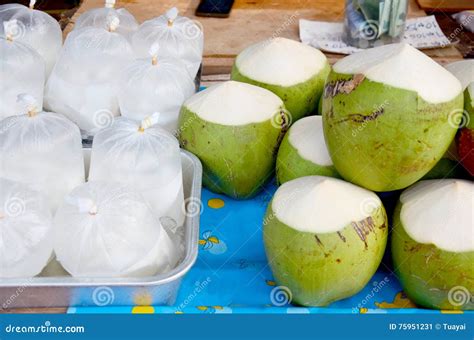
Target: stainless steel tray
63,290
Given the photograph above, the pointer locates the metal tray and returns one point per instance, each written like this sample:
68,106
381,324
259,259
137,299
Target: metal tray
51,289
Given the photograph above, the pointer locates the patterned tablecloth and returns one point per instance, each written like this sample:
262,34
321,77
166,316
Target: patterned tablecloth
232,275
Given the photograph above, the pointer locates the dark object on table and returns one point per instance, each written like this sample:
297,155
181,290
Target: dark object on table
214,8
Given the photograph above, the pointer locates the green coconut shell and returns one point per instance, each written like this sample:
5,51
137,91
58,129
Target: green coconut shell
382,137
319,269
428,274
237,160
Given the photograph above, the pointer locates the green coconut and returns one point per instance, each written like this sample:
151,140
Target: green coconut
433,243
303,152
292,70
387,116
324,238
235,130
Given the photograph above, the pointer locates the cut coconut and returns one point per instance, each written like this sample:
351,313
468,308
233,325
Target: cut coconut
320,231
404,67
388,116
234,103
433,243
292,70
235,129
440,212
314,204
303,151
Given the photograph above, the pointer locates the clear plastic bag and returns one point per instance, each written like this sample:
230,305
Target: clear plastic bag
43,150
98,17
180,38
105,229
26,242
145,157
36,29
83,85
21,71
155,85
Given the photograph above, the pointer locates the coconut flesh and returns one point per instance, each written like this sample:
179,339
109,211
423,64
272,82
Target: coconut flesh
387,116
303,151
235,129
433,242
290,69
324,238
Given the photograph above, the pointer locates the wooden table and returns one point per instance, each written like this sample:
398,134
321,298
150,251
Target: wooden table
251,21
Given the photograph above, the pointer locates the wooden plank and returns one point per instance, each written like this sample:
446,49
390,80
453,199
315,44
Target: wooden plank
250,21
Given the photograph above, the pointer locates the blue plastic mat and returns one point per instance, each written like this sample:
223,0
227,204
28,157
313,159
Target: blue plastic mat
232,275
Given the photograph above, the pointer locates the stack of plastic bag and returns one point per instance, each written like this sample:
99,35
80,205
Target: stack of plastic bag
179,37
83,85
98,17
43,150
155,84
107,230
21,71
36,29
26,242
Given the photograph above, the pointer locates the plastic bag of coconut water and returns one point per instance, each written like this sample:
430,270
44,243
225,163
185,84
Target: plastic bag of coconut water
147,158
21,71
155,84
98,17
43,150
83,85
36,29
180,37
26,231
106,229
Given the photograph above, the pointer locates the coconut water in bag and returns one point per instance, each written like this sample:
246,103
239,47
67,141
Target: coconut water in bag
155,84
106,229
21,71
36,29
83,85
26,242
42,149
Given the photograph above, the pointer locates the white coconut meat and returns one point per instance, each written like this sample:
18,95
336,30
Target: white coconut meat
280,61
234,103
319,204
403,66
440,212
464,71
307,137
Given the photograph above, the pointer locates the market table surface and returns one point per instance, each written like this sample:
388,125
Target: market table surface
250,21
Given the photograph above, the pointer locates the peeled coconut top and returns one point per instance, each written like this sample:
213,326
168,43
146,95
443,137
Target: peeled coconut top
307,137
464,71
234,103
403,66
319,204
440,212
280,61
